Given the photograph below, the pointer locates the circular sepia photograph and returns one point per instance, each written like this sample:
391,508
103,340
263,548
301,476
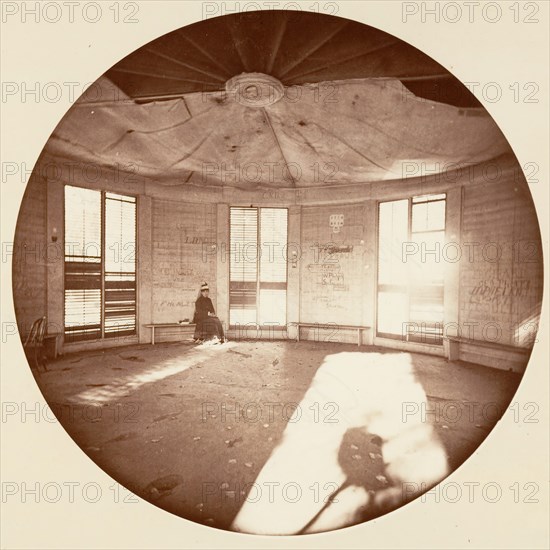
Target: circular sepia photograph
278,273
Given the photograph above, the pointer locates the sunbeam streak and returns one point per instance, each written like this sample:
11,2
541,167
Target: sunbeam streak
370,391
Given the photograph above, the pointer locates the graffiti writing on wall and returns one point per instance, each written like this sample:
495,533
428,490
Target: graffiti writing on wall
330,252
180,305
328,262
323,268
329,275
498,295
175,274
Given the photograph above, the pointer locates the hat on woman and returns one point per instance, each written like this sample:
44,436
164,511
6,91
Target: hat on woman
204,286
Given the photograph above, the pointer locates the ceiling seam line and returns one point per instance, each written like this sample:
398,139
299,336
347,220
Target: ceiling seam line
422,77
268,120
346,59
275,50
193,149
354,149
186,65
237,44
206,54
312,50
187,107
158,76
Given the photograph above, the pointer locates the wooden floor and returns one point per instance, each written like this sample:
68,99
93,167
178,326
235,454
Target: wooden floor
189,427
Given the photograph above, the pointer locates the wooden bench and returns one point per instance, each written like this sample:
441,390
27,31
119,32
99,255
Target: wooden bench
490,354
333,326
156,326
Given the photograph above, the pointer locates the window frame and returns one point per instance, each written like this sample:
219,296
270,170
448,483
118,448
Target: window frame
103,198
437,197
258,286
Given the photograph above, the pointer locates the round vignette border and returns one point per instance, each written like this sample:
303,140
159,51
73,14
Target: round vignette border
392,31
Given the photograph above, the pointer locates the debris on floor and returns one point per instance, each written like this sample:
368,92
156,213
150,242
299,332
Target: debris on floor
204,471
162,486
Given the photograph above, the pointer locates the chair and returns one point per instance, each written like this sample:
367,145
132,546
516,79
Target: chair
34,345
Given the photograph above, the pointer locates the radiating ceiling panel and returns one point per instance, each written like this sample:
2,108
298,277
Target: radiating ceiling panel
372,127
278,99
294,47
337,132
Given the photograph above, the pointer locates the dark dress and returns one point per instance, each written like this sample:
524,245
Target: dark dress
207,326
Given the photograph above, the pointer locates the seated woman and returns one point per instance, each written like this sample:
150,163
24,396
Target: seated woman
208,326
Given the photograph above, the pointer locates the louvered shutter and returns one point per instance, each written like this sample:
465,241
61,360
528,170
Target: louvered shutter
243,267
83,284
100,265
120,265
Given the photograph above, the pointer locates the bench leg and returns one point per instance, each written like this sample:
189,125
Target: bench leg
358,337
454,351
152,336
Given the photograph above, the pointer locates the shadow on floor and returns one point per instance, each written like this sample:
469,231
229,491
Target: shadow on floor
189,428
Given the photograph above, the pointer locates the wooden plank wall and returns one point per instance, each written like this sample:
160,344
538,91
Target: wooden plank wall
181,260
332,265
501,265
31,251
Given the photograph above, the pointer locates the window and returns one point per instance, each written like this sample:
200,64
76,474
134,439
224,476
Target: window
258,268
100,265
411,236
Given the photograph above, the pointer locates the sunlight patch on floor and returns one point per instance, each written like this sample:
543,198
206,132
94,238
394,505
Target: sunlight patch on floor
364,390
157,372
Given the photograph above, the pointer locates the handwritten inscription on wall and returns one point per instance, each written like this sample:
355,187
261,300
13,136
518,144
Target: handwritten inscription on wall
332,273
501,265
179,263
499,295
